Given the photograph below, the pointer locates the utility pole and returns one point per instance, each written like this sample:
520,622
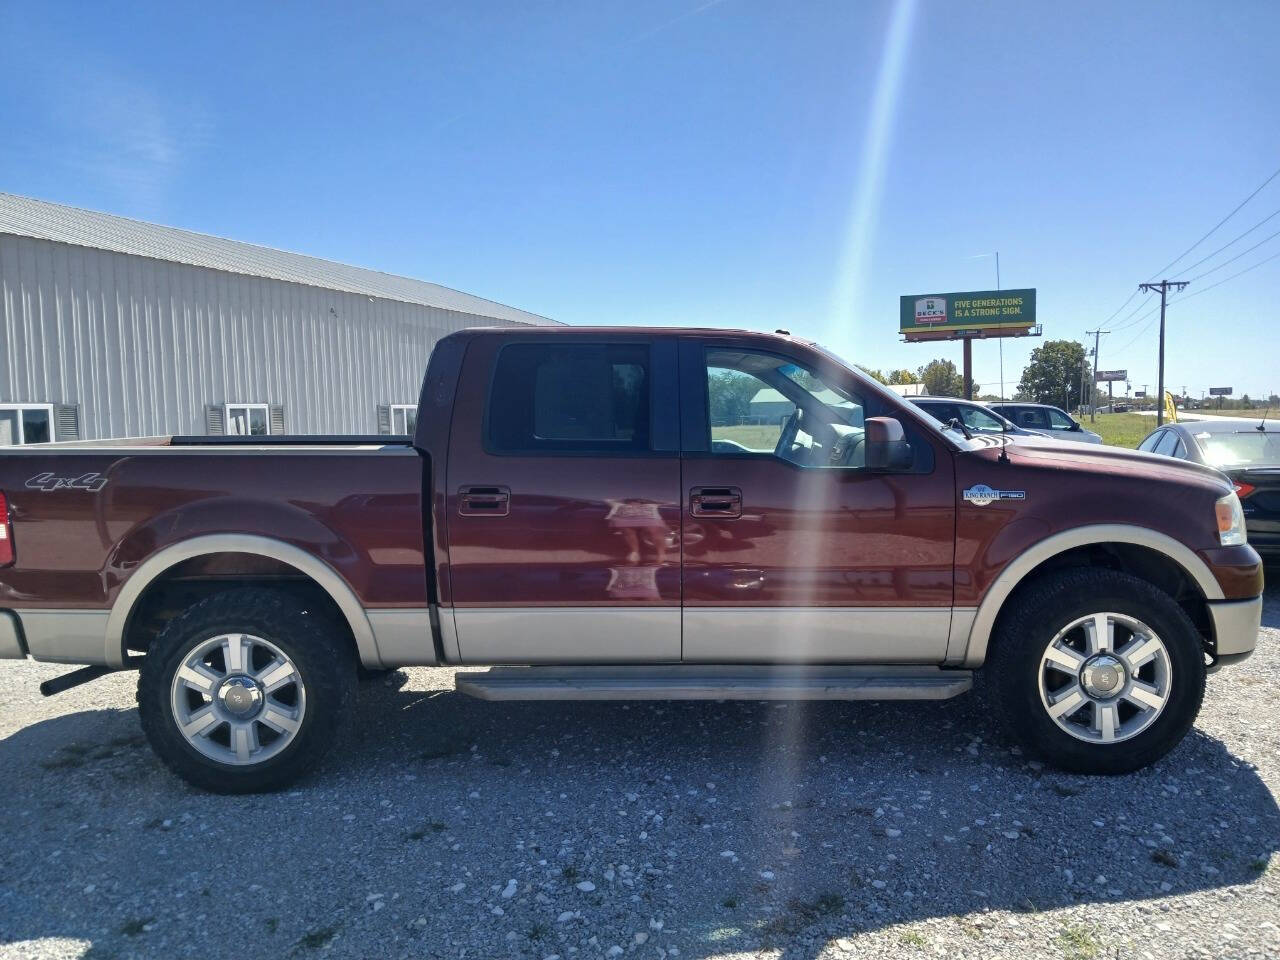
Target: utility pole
1163,286
1084,361
1093,410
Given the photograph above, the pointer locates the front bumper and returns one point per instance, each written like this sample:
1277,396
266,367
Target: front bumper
1235,627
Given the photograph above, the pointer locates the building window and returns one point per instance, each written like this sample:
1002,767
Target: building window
247,419
22,423
404,418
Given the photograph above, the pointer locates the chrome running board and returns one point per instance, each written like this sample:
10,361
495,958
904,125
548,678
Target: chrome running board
715,682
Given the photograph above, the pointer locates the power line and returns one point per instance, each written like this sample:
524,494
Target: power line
1210,256
1188,296
1225,279
1138,335
1236,257
1211,232
1215,227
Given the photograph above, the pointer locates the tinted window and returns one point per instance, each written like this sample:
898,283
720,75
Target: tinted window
1031,417
1180,451
570,397
1168,441
1149,444
942,412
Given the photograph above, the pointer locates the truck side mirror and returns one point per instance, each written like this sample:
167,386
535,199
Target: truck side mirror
886,446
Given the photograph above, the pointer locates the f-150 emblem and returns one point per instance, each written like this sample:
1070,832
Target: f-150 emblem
93,482
980,495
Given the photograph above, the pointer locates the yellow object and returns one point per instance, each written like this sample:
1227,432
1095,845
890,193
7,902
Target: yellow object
1170,408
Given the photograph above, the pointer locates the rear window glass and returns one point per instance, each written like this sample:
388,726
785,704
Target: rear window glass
549,398
1253,446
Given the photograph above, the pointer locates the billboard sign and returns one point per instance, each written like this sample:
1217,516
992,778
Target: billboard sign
1220,391
1110,376
943,315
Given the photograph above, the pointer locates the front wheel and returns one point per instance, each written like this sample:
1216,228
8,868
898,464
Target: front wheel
1097,671
246,691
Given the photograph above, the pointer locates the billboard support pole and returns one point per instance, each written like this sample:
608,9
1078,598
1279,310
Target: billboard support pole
968,368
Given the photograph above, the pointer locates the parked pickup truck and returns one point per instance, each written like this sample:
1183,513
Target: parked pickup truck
628,514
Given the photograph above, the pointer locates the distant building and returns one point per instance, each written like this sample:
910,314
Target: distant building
115,328
908,389
769,406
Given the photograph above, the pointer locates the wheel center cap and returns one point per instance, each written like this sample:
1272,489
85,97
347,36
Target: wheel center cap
240,696
1103,676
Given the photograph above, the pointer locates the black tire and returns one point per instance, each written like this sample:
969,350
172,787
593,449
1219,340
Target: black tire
320,652
1036,616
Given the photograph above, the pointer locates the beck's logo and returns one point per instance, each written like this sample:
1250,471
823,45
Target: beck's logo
47,482
980,495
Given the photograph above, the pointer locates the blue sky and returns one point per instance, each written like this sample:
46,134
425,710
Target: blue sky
732,163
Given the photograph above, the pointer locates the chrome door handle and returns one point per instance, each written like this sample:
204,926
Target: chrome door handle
484,501
715,502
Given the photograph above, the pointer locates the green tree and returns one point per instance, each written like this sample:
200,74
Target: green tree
940,379
873,374
1053,373
729,396
902,376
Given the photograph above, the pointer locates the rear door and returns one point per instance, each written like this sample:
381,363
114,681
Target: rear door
564,500
794,550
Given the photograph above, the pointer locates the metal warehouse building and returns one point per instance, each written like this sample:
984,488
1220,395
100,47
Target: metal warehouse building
116,328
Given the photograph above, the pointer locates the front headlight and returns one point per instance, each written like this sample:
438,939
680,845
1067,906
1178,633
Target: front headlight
1231,531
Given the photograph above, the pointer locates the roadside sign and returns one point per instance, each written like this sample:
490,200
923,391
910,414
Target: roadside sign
983,313
1220,391
1111,376
1139,393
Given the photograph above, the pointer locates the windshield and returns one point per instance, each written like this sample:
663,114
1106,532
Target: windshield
1244,448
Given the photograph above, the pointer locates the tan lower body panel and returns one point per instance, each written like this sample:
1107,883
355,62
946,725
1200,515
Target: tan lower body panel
606,634
816,634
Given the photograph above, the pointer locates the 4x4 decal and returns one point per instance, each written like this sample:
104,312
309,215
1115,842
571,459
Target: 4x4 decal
47,482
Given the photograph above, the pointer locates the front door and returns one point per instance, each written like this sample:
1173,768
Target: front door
564,501
795,551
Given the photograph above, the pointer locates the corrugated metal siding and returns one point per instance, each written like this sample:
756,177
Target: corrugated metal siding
143,345
41,220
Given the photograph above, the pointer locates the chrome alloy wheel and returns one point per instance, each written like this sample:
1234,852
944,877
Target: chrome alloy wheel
1105,678
238,699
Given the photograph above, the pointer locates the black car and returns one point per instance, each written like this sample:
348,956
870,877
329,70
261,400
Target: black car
1248,453
976,417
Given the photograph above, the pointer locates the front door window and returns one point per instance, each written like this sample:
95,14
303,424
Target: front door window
758,403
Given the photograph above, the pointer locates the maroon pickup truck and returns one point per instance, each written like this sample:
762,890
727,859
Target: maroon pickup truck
629,514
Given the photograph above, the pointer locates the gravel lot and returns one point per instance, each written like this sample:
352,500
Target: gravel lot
450,827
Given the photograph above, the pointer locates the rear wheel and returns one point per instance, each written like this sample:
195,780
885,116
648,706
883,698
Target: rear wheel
1097,671
246,691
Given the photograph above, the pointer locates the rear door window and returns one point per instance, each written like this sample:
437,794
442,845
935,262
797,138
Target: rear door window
1149,444
570,398
942,412
1167,443
1032,418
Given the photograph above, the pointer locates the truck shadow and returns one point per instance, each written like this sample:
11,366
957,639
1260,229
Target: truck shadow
742,826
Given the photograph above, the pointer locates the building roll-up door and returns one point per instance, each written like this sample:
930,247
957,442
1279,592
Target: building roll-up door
276,411
384,418
215,420
66,421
